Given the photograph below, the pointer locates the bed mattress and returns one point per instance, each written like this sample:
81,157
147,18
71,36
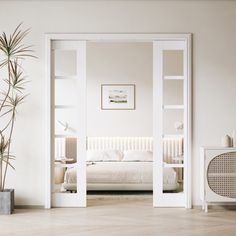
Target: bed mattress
118,173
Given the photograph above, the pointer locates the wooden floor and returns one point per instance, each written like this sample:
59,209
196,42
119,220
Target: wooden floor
113,217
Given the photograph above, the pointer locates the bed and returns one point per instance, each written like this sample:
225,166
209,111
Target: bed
121,176
124,164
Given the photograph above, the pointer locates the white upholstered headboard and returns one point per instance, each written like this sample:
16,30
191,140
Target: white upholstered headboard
172,146
120,143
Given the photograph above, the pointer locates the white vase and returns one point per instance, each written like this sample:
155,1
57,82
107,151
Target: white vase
226,141
234,138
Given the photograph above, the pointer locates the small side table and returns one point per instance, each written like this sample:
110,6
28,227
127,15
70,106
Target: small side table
178,158
60,168
180,173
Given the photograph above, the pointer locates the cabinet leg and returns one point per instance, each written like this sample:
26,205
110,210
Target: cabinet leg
203,206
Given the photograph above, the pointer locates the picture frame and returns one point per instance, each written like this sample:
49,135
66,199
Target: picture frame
118,97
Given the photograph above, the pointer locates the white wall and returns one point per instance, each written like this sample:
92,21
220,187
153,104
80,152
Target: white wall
128,63
119,63
214,54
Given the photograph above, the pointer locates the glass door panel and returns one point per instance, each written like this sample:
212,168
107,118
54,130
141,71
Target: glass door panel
65,92
65,121
65,62
173,151
173,179
65,161
173,121
173,92
173,62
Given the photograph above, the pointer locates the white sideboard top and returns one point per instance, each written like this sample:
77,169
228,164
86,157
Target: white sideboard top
218,148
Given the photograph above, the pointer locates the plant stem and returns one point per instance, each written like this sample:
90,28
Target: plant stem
6,126
8,149
4,101
9,85
2,181
1,169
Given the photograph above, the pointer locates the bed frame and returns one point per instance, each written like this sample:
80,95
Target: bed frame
172,147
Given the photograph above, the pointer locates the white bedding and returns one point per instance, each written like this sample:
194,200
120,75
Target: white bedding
119,173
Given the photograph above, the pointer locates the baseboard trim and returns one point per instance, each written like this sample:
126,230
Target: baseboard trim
29,207
229,206
218,206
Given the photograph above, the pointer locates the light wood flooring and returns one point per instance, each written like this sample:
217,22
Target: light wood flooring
118,217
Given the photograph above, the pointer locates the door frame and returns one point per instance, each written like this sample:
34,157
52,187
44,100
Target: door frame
110,37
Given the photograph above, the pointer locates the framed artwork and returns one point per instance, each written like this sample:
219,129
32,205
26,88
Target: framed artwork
118,97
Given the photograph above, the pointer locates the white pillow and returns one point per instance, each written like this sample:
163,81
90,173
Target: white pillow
95,155
137,156
112,155
104,155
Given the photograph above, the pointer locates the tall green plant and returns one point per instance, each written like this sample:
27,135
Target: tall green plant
12,92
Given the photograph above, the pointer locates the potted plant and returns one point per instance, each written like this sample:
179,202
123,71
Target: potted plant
12,85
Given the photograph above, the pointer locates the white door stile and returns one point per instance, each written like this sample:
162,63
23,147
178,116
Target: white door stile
186,124
52,121
189,120
81,118
157,124
47,126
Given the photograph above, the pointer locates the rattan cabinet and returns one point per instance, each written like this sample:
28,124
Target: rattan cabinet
217,175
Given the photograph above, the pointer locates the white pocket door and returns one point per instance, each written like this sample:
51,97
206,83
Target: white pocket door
68,123
171,123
